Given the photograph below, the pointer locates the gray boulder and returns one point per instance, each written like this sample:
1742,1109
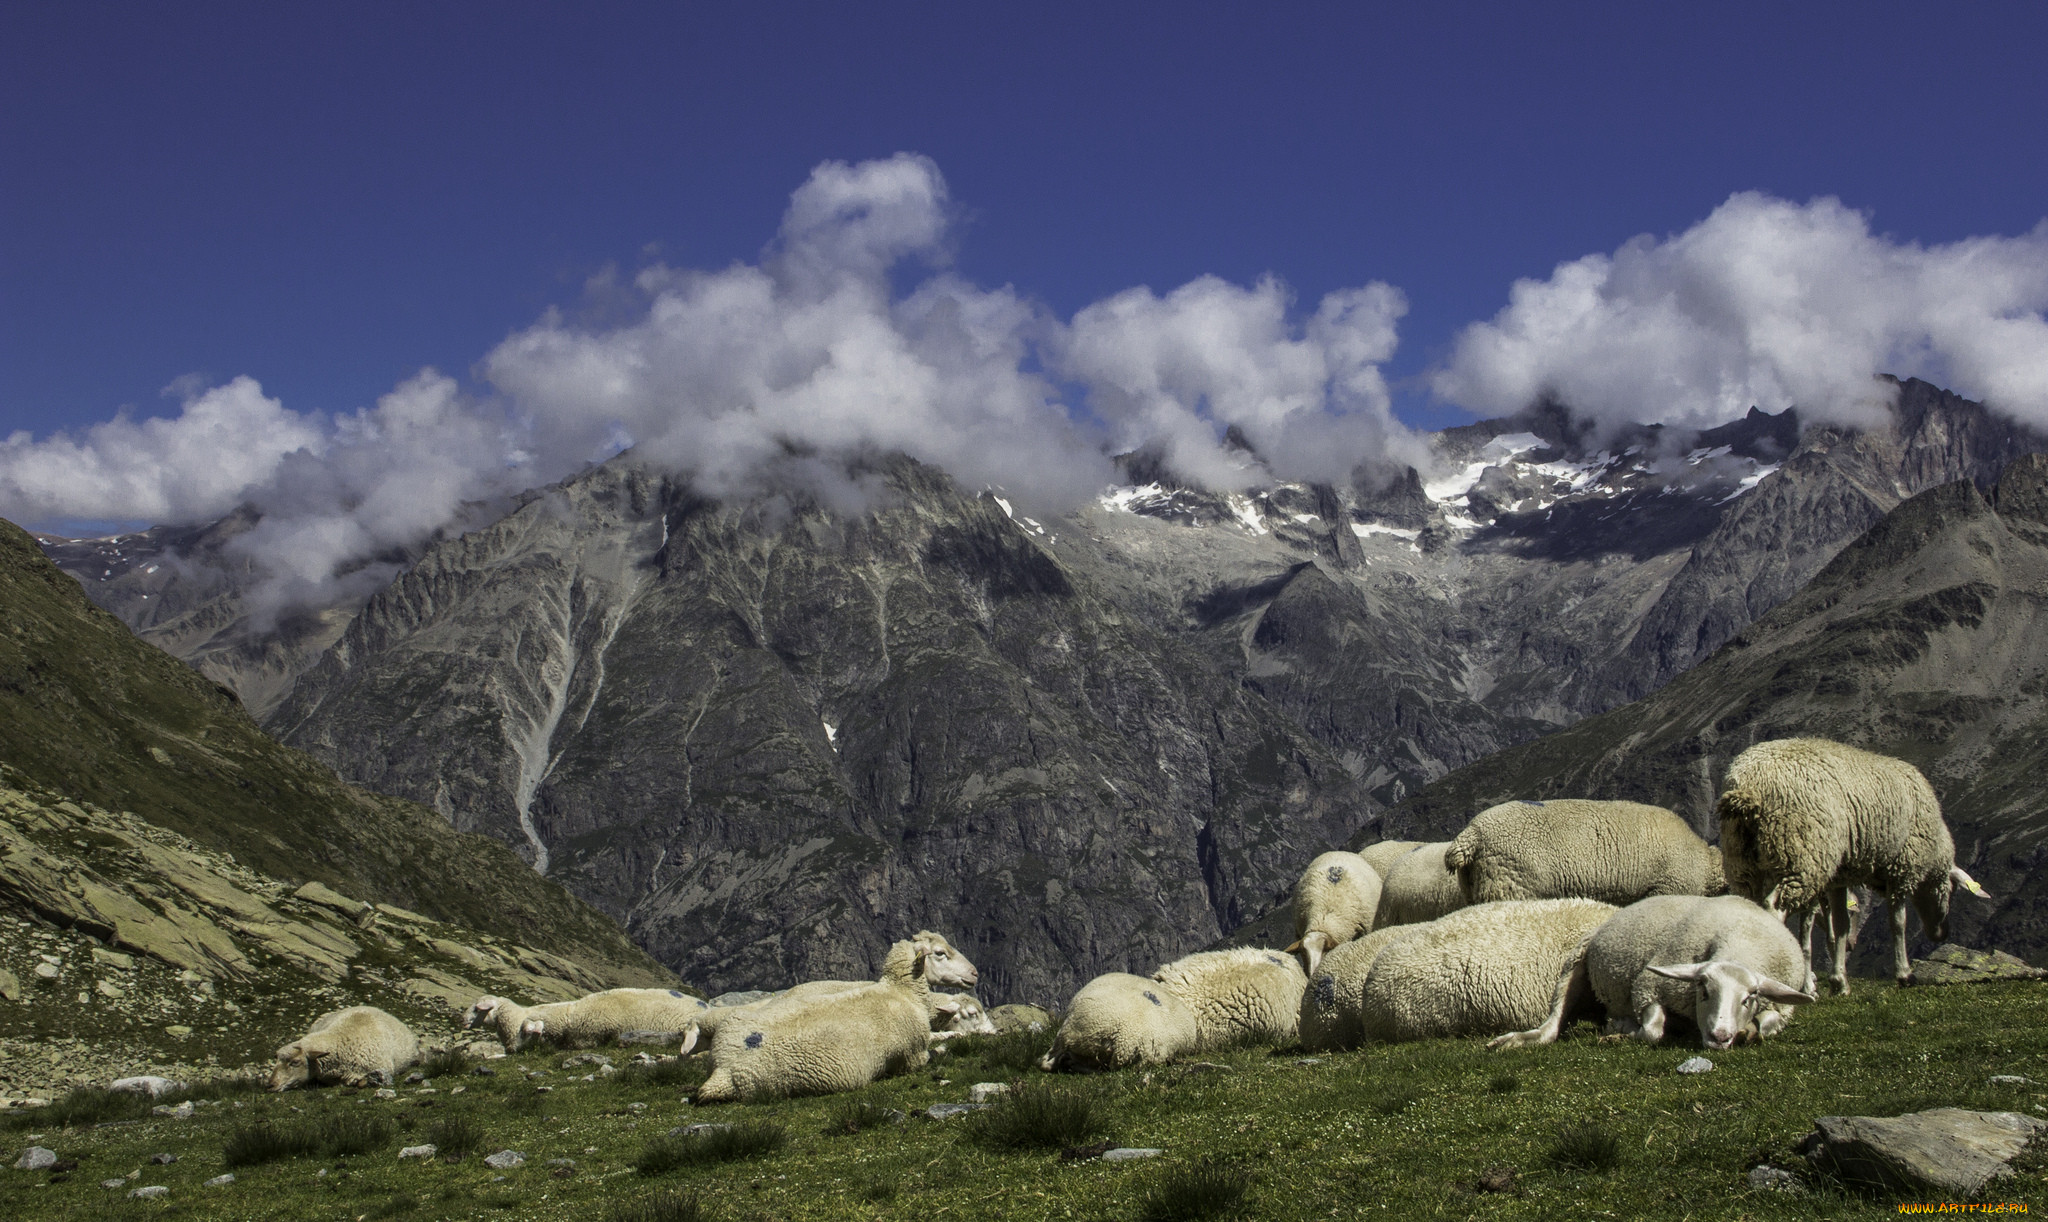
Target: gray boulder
35,1158
1947,1151
1953,964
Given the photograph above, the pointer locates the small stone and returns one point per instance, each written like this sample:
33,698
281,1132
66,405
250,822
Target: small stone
505,1160
483,1071
1124,1154
2007,1079
1309,1061
636,1107
113,958
1081,1154
1695,1065
950,1111
221,1181
107,988
586,1058
178,1029
691,1130
982,1092
1764,1177
181,1112
163,1160
414,1079
456,1090
149,1193
385,1092
650,1037
116,1182
570,1163
418,1152
48,971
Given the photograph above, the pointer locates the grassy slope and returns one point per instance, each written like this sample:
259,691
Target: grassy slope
1391,1131
89,711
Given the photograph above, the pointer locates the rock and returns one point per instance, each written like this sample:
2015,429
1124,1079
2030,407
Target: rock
335,901
418,1152
1309,1061
386,1093
149,1193
181,1112
2008,1079
504,1160
1081,1154
1020,1017
414,1079
36,1158
116,1182
570,1163
1766,1178
1947,1151
145,1084
47,971
221,1181
10,985
691,1130
586,1058
113,958
1695,1065
982,1092
1125,1154
107,988
163,1160
483,1071
1950,963
178,1029
949,1111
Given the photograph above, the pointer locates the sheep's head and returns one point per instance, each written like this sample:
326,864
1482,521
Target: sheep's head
1931,901
1313,946
942,964
480,1011
961,1015
531,1029
1729,997
294,1066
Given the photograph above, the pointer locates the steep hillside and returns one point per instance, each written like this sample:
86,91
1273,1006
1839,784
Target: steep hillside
1927,638
90,713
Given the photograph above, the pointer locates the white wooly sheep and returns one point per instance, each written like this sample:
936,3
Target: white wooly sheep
1719,961
354,1047
1334,902
593,1019
1382,856
1240,995
952,1014
1332,1017
838,1041
1119,1019
1616,852
1481,970
1805,819
1418,887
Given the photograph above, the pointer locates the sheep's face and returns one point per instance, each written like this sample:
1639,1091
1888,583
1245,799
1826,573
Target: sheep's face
1931,902
479,1011
294,1067
1729,998
943,965
962,1016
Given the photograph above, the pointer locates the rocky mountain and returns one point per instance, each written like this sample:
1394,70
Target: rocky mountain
1926,638
767,736
95,717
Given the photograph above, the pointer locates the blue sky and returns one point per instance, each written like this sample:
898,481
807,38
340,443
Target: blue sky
328,197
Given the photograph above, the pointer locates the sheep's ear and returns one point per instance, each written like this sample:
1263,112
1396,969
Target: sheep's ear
689,1041
949,1006
1774,990
1680,971
290,1052
1292,947
1967,883
534,1026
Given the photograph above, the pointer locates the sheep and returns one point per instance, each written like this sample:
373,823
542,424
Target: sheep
1805,819
1240,995
1020,1016
1478,971
839,1041
594,1019
1717,961
952,1014
355,1047
956,1014
1616,852
1334,902
1418,887
1382,855
1119,1019
1330,1015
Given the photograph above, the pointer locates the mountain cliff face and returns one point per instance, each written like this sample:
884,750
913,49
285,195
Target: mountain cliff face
768,737
1927,638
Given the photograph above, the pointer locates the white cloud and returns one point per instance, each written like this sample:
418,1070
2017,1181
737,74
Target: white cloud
1765,303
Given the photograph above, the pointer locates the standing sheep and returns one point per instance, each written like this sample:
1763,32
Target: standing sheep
354,1047
1719,962
1332,1018
1119,1019
1805,819
1615,852
1479,971
1334,902
1418,887
1382,855
820,1045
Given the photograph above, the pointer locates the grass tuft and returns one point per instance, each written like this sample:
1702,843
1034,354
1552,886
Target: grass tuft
663,1207
392,1207
1036,1116
858,1115
1012,1054
681,1073
455,1137
447,1063
267,1141
720,1144
1585,1147
1203,1190
1504,1084
1396,1100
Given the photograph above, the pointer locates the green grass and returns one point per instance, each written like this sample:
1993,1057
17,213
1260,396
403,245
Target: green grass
1313,1138
334,1134
723,1142
1037,1116
1187,1193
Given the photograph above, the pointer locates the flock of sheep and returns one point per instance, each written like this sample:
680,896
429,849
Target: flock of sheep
1536,914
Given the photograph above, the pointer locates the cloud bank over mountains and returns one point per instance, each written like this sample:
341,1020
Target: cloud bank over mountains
784,373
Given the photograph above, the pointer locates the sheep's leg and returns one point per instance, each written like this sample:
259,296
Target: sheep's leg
1802,929
1572,987
1650,1023
1895,905
1842,927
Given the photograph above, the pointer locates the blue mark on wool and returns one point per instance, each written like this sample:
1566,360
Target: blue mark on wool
1275,961
1326,991
1530,802
1336,874
754,1040
1153,998
675,992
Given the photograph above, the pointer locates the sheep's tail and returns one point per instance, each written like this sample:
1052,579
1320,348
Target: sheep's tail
1463,851
1963,880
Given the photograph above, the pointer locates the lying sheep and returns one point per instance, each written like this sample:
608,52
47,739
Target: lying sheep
1478,971
823,1044
1805,819
1334,902
1719,962
1020,1016
595,1019
1615,852
1240,995
1418,887
1382,856
1119,1019
952,1014
357,1046
1332,1018
956,1014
